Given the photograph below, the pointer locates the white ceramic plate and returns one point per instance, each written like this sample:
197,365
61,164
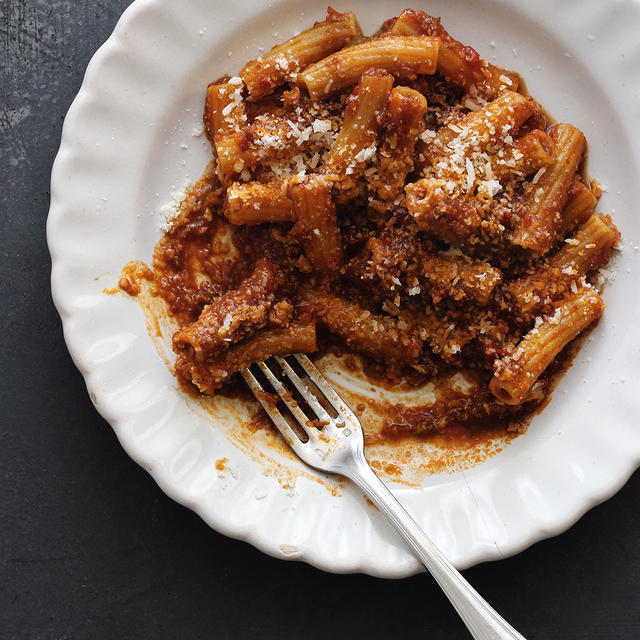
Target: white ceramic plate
128,142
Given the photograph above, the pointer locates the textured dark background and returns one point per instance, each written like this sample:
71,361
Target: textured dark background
90,547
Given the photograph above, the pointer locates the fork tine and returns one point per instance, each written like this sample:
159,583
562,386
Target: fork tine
289,401
321,382
283,426
304,389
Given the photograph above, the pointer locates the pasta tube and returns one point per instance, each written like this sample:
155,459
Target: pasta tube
356,143
255,203
454,220
543,204
580,205
589,249
378,336
515,374
224,111
403,56
406,108
529,153
232,316
316,225
488,125
211,375
459,63
285,60
263,140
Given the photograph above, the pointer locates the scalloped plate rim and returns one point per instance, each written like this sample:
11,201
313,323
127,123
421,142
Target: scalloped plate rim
582,503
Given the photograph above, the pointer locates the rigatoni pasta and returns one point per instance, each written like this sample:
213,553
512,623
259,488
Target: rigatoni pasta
356,142
581,203
394,196
546,198
224,110
516,373
316,226
285,60
375,334
257,203
404,56
459,64
406,108
590,248
500,118
528,154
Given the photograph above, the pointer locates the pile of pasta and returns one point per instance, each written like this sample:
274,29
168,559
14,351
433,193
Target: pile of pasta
395,193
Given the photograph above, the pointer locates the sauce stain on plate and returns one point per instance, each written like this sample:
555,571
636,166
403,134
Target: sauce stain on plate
403,441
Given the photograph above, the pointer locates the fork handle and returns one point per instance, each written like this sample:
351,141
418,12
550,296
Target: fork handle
481,619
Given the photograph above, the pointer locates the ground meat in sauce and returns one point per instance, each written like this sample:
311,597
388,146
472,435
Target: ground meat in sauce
420,283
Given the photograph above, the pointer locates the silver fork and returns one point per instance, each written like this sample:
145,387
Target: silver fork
335,444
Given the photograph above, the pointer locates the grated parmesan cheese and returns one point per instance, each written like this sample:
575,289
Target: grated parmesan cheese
538,175
471,174
366,154
427,135
170,211
226,325
321,126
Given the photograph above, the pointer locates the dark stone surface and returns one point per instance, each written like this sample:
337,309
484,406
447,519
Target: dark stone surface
90,547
